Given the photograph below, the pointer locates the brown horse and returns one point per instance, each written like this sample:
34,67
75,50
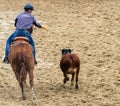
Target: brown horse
22,62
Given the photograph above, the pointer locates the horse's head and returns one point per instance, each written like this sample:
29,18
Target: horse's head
65,51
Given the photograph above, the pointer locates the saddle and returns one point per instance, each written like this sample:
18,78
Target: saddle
21,38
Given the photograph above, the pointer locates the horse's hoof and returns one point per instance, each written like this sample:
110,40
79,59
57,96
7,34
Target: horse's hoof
24,97
77,87
34,97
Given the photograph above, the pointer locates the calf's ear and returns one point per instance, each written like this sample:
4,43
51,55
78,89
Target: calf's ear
70,50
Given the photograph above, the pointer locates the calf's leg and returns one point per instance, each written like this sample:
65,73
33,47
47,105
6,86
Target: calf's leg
66,78
72,79
77,79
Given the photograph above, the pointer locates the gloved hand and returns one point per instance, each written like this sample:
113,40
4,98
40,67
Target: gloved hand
44,27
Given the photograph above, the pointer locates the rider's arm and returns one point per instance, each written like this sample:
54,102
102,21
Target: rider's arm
36,23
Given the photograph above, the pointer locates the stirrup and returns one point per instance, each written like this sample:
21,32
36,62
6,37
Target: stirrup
5,60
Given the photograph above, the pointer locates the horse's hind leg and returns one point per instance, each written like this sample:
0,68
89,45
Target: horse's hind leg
31,76
24,81
21,84
22,90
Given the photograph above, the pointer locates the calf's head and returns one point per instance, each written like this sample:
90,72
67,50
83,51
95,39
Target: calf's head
65,51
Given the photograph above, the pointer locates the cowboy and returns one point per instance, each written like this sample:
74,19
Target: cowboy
23,24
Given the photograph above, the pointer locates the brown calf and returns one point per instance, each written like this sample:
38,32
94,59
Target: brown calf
70,64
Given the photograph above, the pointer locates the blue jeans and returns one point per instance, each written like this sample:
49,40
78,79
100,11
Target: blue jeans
16,33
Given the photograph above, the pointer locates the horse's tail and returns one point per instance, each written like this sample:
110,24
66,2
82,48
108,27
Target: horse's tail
23,72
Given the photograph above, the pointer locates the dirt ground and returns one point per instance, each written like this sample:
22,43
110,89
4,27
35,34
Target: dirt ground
91,28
